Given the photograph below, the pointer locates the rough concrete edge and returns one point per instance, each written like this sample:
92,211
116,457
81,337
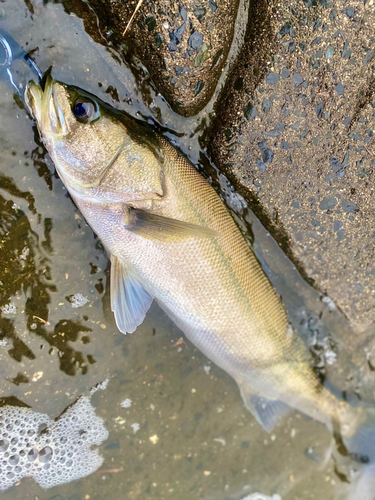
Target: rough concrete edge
259,17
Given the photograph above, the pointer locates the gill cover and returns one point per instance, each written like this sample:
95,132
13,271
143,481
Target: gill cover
102,154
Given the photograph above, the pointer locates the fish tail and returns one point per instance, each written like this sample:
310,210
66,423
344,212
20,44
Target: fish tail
361,443
363,487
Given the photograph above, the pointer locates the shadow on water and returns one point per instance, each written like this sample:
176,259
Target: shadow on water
38,158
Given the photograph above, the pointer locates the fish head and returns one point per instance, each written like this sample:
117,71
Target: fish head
94,147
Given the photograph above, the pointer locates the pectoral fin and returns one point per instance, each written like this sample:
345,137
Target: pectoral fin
157,227
267,412
129,300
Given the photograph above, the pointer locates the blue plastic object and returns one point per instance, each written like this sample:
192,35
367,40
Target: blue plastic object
10,51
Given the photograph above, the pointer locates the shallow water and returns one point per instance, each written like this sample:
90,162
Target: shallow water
193,437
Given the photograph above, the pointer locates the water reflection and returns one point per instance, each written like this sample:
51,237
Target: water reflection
17,265
70,360
37,157
24,268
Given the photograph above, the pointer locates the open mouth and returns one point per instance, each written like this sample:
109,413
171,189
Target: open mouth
44,107
33,99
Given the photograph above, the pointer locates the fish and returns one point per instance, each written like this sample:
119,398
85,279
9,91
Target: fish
171,239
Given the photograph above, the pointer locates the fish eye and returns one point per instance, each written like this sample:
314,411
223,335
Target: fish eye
85,110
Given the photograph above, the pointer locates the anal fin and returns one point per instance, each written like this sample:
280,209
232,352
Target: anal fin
129,300
267,412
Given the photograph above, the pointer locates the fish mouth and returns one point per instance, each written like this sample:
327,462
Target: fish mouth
44,107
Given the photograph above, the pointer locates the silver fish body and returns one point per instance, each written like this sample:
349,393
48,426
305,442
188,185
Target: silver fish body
171,239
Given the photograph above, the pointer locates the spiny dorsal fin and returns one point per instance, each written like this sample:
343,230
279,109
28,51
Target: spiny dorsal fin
129,300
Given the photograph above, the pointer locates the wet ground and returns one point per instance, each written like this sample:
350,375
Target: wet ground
177,426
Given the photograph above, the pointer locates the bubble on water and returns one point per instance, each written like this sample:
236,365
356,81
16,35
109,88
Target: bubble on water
4,445
135,427
32,455
14,459
52,451
126,403
329,303
9,309
330,357
100,387
25,253
78,300
45,454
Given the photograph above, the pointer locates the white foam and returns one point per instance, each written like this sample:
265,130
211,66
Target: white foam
135,427
25,253
78,300
126,403
50,451
100,387
9,309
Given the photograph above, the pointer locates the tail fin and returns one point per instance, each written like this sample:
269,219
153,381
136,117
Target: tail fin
361,445
364,487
